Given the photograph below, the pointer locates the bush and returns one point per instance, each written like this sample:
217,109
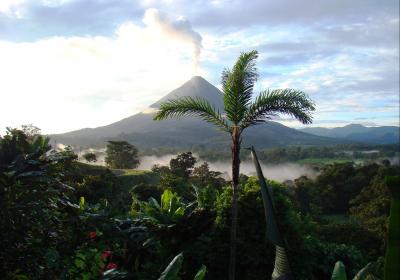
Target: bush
37,211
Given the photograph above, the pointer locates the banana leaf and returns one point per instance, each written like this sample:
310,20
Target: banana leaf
201,273
172,270
364,272
281,268
339,271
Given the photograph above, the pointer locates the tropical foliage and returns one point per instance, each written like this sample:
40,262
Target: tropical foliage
65,220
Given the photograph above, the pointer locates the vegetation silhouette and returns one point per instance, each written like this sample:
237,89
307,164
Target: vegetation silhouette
121,154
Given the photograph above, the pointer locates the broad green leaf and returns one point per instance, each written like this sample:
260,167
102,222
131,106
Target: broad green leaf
201,273
174,203
20,276
180,211
172,270
363,273
339,272
166,199
154,202
114,274
82,203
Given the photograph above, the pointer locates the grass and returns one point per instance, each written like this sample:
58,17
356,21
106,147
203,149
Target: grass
126,177
128,172
90,169
132,177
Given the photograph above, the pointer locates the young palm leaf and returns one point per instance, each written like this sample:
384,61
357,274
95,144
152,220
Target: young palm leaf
281,267
237,86
239,113
339,271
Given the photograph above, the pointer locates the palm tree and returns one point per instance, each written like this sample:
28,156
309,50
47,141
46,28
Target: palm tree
240,112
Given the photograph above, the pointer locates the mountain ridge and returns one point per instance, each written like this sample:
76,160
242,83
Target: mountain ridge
359,133
140,129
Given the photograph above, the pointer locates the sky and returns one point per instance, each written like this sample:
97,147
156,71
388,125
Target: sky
70,64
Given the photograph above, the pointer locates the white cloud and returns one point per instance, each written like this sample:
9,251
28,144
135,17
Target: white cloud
11,7
66,83
55,3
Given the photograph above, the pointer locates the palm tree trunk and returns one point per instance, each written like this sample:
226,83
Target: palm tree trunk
235,183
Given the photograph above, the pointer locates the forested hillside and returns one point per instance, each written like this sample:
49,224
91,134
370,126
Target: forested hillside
359,133
62,219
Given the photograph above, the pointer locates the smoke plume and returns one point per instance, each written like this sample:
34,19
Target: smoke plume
179,28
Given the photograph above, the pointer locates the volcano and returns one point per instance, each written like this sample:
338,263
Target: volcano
142,131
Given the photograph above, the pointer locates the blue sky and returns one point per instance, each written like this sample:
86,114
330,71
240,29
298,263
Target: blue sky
69,64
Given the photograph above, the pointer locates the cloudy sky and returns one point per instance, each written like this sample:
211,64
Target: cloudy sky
69,64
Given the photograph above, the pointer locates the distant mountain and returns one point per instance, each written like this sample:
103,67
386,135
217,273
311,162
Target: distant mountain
195,87
359,133
141,130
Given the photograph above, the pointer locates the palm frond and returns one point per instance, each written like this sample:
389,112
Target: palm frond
279,101
188,106
237,85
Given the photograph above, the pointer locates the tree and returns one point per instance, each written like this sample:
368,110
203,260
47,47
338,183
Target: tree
121,154
240,112
203,176
90,157
314,198
183,164
30,130
371,206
